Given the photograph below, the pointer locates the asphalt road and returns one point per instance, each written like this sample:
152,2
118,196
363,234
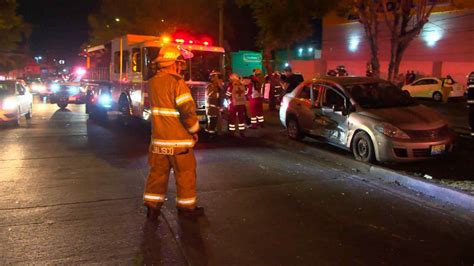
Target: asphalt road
70,192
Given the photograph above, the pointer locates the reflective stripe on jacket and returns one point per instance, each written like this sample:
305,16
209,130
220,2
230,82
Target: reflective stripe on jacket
173,110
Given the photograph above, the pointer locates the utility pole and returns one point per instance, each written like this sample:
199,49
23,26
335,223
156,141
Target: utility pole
221,32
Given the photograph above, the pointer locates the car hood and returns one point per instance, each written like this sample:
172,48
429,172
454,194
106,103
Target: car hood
418,117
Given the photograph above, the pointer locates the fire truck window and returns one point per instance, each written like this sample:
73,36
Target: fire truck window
117,62
125,61
136,60
149,68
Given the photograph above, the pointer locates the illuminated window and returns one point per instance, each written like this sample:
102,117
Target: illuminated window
136,60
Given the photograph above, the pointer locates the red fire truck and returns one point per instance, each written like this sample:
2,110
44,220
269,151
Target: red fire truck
118,72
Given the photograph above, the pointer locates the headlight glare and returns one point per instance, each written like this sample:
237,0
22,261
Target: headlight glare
55,88
9,104
105,100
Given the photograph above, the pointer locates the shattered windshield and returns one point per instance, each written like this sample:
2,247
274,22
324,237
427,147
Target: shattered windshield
379,95
201,65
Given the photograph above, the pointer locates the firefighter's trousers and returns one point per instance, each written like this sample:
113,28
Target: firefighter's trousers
237,111
471,118
256,111
183,164
213,116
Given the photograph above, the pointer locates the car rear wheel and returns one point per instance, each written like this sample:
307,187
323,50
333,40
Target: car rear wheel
437,96
363,148
293,130
62,106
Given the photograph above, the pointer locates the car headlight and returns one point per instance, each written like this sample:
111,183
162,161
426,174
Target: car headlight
55,88
391,131
105,100
9,104
74,90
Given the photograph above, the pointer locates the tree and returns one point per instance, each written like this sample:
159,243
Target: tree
13,31
284,22
404,19
367,13
153,17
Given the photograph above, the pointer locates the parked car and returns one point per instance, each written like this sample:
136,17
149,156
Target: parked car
430,87
368,116
15,101
63,94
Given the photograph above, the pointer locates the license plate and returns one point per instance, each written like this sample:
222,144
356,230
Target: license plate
438,149
72,98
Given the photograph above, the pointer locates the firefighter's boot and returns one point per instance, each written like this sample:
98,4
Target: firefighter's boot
153,213
196,212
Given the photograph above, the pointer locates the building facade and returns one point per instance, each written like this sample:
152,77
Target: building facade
445,45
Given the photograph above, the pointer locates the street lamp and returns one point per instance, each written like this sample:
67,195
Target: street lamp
117,19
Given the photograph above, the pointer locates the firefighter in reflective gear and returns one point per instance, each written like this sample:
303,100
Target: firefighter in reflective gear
213,102
236,93
174,133
276,87
255,94
470,101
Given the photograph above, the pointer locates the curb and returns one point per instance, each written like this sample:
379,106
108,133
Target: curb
432,189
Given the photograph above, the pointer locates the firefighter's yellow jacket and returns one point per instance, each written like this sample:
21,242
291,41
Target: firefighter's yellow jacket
174,113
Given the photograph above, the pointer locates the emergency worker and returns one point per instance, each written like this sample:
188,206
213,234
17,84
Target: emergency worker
447,87
236,92
470,101
213,102
174,133
275,90
255,94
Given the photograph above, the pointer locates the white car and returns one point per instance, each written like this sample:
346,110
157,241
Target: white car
15,101
431,87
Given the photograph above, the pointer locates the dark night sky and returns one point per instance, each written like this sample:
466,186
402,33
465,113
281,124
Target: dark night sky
60,27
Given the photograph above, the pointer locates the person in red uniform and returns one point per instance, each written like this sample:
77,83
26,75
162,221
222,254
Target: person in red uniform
174,133
236,93
255,94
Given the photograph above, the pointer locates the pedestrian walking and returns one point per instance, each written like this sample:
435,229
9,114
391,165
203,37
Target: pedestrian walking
174,134
236,93
255,94
447,87
213,102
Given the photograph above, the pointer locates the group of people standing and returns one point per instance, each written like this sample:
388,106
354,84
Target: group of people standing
238,92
